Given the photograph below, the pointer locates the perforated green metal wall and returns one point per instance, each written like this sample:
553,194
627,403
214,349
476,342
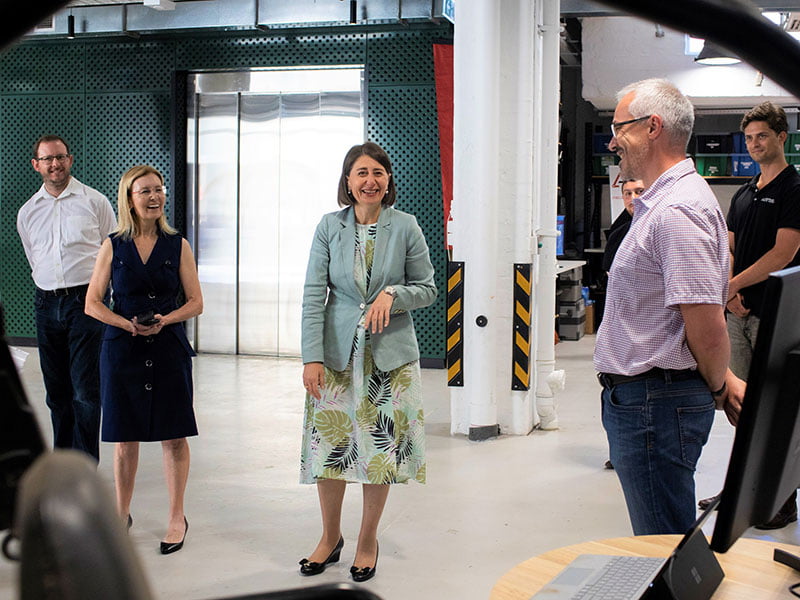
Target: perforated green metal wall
111,100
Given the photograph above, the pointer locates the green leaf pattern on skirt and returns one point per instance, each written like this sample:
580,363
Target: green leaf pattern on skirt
368,426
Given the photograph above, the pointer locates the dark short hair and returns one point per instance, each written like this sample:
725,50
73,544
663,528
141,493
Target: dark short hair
772,114
45,139
378,154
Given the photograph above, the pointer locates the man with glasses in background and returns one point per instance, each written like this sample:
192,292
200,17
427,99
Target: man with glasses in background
62,227
662,348
764,236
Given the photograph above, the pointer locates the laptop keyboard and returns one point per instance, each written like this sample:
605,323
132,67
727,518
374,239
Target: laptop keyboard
622,579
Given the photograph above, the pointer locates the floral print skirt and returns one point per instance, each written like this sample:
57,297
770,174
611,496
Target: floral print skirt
368,425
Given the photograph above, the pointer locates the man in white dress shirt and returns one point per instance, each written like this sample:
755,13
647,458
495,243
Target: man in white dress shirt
62,227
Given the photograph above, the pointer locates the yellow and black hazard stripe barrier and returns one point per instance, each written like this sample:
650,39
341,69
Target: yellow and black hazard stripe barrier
521,367
455,324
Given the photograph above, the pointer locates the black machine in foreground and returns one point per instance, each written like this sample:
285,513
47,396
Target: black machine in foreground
764,468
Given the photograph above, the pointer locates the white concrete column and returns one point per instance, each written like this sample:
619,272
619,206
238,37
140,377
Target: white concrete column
500,176
517,67
475,191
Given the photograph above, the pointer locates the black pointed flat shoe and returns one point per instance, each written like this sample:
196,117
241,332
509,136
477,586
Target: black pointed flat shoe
360,574
170,547
308,567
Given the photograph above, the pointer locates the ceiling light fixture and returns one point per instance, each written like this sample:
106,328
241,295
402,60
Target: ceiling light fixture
713,55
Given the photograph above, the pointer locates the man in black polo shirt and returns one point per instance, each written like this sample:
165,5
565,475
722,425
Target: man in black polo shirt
764,236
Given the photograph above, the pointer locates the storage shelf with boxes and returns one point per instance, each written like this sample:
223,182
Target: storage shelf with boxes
571,304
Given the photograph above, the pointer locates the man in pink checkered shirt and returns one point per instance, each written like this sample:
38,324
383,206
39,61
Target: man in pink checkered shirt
662,349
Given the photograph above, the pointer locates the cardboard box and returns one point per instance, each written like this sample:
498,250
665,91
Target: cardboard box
589,327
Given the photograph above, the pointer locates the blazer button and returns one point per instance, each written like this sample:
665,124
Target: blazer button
362,306
148,363
148,386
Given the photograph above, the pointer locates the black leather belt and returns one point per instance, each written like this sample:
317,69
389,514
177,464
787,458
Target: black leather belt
65,291
609,380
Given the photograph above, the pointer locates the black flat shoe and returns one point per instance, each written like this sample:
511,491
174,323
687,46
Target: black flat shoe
706,502
315,568
365,573
170,547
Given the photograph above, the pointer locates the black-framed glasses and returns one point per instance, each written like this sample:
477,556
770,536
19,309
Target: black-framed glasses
615,127
49,159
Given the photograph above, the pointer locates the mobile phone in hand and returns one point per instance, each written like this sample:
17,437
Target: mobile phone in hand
147,318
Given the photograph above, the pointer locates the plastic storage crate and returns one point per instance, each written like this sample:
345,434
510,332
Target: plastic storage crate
742,165
712,166
716,143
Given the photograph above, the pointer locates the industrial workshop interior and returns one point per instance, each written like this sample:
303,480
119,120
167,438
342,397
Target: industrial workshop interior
496,116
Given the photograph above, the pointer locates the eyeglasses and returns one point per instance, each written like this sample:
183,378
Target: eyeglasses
147,191
615,127
49,159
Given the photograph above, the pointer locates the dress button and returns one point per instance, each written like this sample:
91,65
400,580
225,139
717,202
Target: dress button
151,295
148,363
361,306
148,386
150,339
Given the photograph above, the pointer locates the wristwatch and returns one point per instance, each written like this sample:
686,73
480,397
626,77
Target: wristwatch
389,289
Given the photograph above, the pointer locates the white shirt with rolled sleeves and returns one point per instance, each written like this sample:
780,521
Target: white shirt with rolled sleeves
676,252
62,236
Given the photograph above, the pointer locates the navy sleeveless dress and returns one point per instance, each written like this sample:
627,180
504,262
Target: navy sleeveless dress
146,381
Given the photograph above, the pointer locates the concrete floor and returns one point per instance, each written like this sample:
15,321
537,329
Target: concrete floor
487,506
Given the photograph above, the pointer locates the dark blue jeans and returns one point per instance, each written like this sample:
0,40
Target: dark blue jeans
656,430
69,353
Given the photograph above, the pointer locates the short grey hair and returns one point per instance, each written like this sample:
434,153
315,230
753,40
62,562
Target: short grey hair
661,97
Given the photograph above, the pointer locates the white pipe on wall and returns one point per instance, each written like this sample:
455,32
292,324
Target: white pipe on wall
546,136
517,168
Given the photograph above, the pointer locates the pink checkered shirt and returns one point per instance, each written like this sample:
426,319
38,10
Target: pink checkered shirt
676,252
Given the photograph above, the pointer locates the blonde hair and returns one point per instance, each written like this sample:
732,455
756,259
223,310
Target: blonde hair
128,225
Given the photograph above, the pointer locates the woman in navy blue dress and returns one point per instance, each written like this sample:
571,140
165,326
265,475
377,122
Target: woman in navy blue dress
146,367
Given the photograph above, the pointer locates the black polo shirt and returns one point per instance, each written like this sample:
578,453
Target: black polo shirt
755,217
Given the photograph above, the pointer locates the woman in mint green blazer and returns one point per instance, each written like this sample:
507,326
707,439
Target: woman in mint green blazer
364,422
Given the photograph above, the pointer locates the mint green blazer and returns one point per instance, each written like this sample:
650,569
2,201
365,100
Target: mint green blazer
333,305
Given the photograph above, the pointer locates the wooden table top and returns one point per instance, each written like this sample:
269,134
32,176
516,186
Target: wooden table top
750,572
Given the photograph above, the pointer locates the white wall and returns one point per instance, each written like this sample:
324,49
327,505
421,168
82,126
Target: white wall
620,50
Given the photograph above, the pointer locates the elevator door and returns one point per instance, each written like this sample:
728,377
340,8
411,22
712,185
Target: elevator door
265,162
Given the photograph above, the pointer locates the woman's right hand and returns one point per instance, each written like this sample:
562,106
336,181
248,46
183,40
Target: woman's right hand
314,378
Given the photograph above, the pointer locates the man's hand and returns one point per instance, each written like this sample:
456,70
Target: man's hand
737,307
731,400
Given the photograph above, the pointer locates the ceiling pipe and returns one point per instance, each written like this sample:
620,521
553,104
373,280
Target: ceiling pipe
133,34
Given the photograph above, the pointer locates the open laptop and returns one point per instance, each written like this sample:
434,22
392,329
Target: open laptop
691,572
